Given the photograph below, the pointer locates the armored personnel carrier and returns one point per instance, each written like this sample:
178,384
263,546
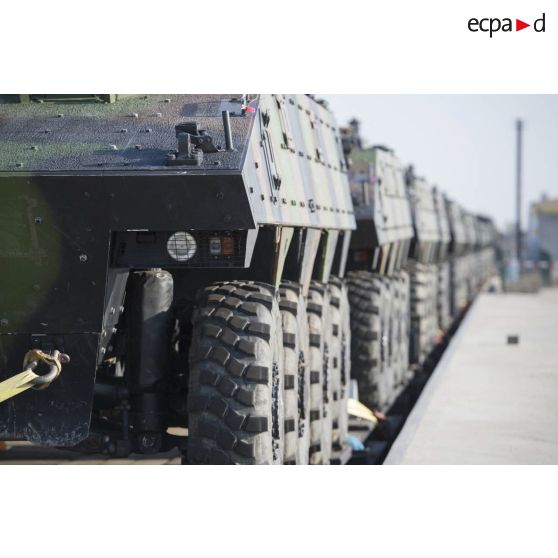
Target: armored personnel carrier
186,252
208,272
488,241
379,285
414,265
458,260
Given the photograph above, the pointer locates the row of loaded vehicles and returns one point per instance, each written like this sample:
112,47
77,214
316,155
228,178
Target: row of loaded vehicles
219,268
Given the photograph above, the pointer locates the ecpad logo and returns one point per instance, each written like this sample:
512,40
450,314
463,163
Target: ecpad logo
494,24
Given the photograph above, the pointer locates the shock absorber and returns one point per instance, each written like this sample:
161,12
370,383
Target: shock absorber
148,355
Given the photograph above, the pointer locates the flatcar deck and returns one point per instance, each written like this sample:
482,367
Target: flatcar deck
21,453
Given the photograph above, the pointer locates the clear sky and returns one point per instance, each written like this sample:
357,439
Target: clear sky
466,143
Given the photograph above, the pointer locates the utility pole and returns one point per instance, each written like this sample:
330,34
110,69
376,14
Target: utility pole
519,146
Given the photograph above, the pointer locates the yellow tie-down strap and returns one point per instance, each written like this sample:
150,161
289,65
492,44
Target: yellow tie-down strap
28,378
357,409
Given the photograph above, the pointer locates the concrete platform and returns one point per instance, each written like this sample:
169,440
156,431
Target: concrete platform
489,401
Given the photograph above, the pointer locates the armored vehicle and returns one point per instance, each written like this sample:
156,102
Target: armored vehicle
186,252
458,260
443,301
487,257
413,267
208,272
379,288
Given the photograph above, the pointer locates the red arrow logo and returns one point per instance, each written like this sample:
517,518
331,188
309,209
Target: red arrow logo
519,25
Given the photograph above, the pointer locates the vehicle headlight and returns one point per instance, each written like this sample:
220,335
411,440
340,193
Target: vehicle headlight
181,246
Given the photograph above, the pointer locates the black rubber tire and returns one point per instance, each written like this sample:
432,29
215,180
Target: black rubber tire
423,310
443,293
405,305
297,374
434,325
345,362
419,313
387,316
397,331
341,359
320,385
235,400
365,297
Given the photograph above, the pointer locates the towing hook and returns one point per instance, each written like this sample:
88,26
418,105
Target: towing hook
53,363
29,378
